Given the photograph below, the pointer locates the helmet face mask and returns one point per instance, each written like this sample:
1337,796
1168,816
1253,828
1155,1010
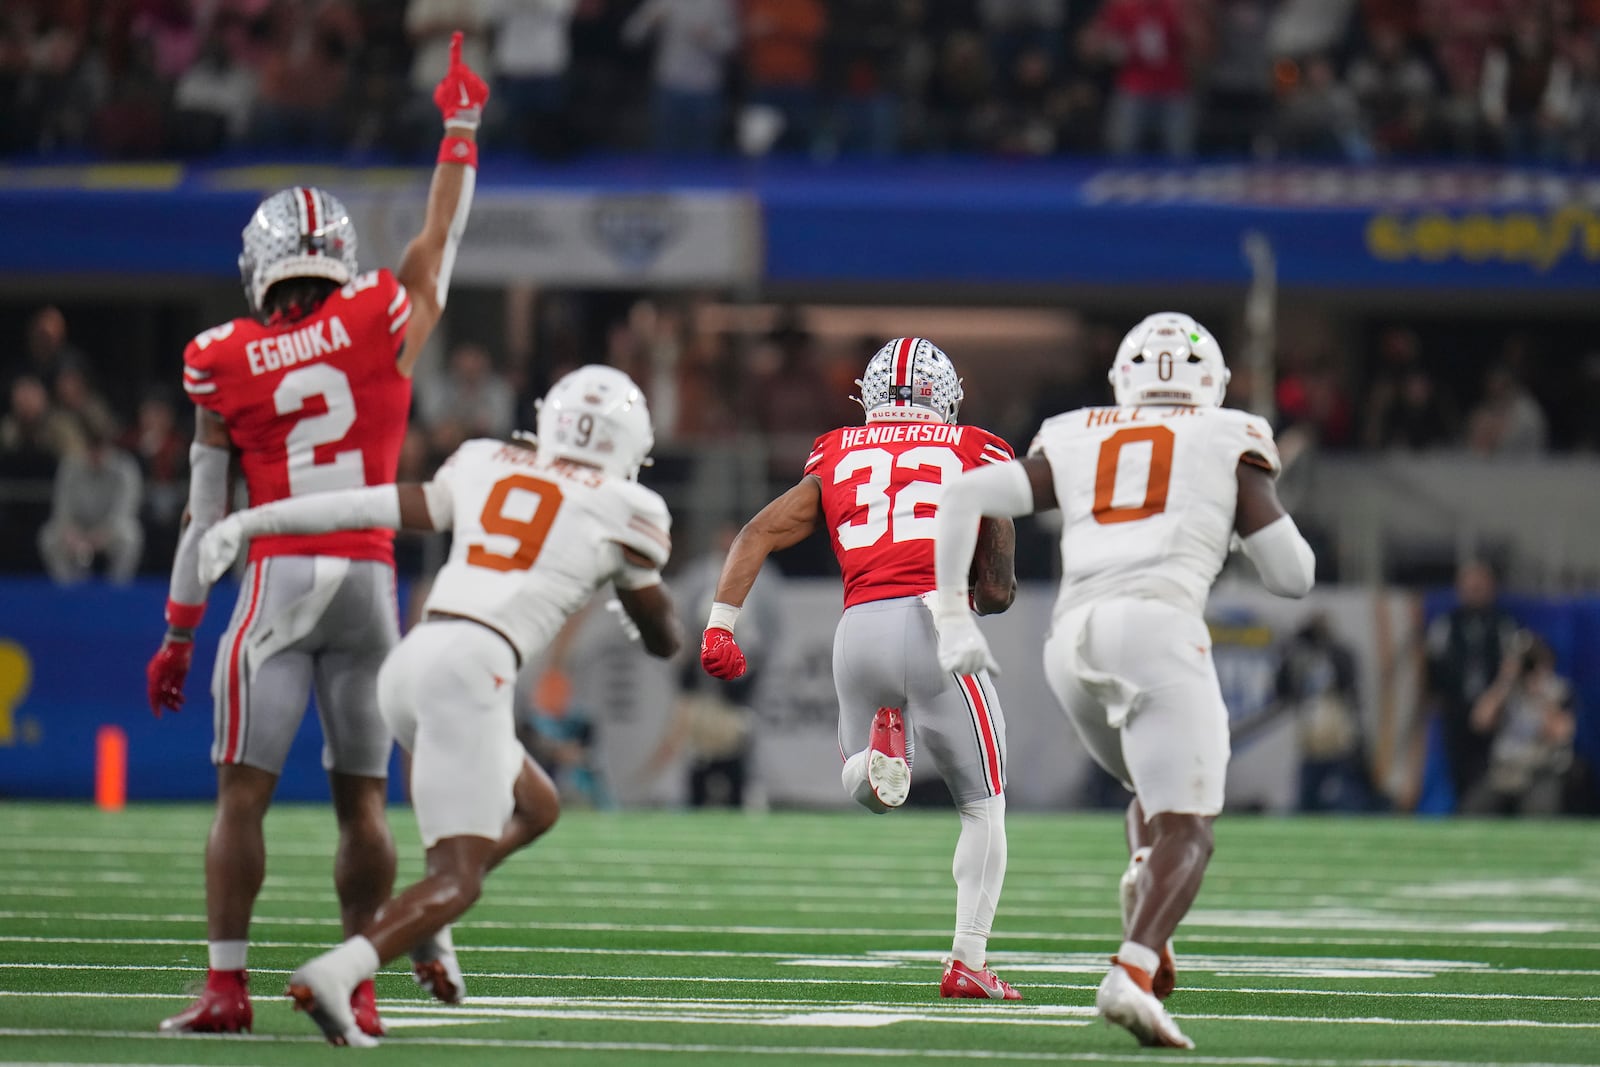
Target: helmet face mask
296,233
597,415
910,379
1169,358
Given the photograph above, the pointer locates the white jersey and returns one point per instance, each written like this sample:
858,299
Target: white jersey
1147,498
534,538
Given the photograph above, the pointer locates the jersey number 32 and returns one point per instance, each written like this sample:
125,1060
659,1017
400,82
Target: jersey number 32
889,511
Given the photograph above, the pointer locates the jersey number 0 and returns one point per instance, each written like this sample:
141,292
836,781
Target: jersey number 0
1157,481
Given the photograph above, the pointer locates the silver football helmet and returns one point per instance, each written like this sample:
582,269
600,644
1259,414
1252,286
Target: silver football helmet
910,378
597,415
297,233
1169,358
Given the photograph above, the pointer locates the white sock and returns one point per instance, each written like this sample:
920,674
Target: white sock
979,868
440,944
227,955
1136,955
854,777
351,963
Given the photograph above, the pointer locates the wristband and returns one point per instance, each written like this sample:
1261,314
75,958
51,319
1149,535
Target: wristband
184,616
458,150
723,616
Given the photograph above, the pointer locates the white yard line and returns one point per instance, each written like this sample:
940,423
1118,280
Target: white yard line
746,1050
1196,935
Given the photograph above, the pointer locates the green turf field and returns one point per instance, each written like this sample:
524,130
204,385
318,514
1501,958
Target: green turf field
724,939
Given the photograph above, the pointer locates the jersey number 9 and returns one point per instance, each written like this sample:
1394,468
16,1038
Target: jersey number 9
529,533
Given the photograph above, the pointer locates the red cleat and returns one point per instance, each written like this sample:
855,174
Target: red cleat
963,982
888,772
224,1007
364,1006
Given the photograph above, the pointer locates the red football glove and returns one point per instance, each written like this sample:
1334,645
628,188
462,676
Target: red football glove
166,673
720,654
460,94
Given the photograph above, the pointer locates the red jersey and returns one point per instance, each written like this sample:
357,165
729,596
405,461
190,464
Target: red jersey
313,405
880,491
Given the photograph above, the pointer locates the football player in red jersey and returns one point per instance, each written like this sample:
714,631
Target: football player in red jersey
309,393
877,488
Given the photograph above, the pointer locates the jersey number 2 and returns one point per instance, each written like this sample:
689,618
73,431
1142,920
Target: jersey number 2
1157,481
347,469
529,533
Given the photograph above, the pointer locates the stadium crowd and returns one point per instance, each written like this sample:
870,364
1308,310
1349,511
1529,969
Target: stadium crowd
1327,79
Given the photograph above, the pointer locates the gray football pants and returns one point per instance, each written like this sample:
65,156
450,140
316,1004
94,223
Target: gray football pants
304,623
885,655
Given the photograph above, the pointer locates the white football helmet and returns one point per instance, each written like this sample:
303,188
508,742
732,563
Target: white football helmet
297,233
597,415
1169,359
910,378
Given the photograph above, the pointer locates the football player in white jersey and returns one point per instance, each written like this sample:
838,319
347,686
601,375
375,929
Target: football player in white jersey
537,532
1152,494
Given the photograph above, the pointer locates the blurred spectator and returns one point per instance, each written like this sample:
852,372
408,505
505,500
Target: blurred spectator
1455,122
34,437
1152,44
1026,123
213,100
532,51
1311,397
1583,133
1508,421
163,457
1316,684
1527,91
1416,416
75,398
782,64
1393,88
1239,85
869,50
960,97
1466,648
94,512
788,397
49,351
714,719
1318,116
306,72
1017,26
1528,712
472,397
693,39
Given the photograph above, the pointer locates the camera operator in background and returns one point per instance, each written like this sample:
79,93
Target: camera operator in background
1528,711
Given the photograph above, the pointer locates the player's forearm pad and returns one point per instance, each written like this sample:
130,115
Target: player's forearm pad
375,507
998,489
208,501
1285,562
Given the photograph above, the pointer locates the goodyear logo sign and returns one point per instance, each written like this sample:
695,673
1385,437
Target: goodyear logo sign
1537,240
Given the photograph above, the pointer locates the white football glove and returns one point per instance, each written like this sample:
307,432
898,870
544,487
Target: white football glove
219,548
962,648
630,629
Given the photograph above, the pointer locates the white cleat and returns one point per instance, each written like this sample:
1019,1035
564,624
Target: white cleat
1120,1001
328,1004
1166,976
437,970
889,778
888,770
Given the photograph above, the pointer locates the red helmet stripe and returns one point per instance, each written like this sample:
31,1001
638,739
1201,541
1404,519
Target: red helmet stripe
902,366
313,221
